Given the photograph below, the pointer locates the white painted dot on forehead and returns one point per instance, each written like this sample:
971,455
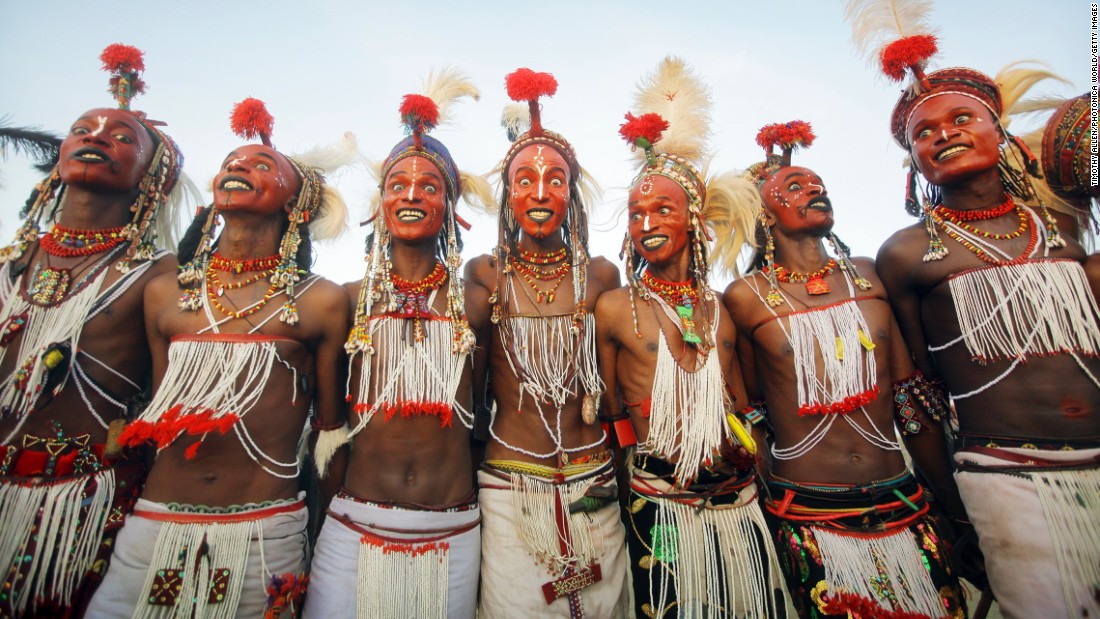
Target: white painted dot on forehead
647,185
102,124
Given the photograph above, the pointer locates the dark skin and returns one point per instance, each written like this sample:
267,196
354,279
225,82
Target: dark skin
800,216
628,362
1047,397
222,473
413,459
98,193
525,429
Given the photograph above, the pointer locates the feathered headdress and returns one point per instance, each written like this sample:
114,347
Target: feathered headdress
527,86
318,209
789,137
161,192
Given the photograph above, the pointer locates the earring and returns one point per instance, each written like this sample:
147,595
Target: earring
773,298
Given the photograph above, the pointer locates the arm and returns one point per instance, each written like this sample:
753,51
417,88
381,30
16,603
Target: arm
477,312
894,271
329,407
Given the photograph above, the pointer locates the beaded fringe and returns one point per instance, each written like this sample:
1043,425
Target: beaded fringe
536,504
405,371
688,414
554,364
1034,308
847,363
857,564
691,551
1071,504
197,549
67,537
402,579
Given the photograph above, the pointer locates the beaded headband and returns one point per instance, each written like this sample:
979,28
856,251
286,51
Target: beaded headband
1067,142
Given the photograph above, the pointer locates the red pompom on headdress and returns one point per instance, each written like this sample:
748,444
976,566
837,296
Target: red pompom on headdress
527,85
911,53
124,62
787,136
251,119
643,132
419,114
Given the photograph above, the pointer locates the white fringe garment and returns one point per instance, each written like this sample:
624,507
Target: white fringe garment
68,536
687,413
405,371
553,363
852,561
402,579
536,503
1071,504
831,335
1034,308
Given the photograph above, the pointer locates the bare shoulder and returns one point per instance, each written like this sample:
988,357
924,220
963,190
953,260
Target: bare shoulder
162,288
902,251
738,293
481,270
325,297
605,273
613,309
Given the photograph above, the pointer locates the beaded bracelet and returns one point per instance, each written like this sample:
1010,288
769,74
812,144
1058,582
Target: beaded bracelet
927,393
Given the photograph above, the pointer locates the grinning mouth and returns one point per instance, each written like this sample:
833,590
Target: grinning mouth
235,183
654,241
410,214
540,214
90,155
820,204
951,152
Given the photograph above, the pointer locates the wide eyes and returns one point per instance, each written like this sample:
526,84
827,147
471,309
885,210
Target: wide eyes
122,137
79,131
263,167
636,217
397,187
430,189
962,119
556,182
794,187
924,133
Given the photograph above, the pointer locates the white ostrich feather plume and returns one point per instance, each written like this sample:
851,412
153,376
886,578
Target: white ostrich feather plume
877,23
445,87
676,93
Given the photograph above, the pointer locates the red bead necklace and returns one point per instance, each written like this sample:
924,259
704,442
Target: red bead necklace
66,242
221,263
815,282
530,274
673,293
535,257
992,212
941,213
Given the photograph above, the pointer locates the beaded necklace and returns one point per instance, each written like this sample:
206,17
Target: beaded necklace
66,242
942,213
992,212
815,282
535,257
963,236
680,295
412,297
531,273
221,263
215,288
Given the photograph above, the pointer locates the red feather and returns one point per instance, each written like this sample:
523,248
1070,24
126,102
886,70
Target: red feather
905,53
251,119
786,136
647,126
527,85
419,113
119,58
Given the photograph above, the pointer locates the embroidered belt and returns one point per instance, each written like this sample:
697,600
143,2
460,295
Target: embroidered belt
885,505
225,518
965,441
597,465
1021,463
53,458
432,535
464,504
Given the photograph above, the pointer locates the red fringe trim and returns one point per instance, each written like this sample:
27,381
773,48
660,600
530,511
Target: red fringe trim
648,126
173,424
410,408
527,85
390,547
905,53
119,58
788,135
251,120
863,608
846,405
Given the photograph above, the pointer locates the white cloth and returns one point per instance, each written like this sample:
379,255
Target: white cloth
512,579
334,576
278,546
1021,547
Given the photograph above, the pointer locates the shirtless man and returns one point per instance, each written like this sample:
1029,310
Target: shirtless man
238,362
824,350
70,371
552,542
992,298
698,542
402,538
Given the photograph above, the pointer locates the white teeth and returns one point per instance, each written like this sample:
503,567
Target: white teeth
234,184
91,156
540,214
654,241
951,151
410,215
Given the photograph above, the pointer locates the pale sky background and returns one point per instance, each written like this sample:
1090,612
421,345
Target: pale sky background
328,67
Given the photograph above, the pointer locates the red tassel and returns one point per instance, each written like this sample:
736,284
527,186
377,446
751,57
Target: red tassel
419,113
527,85
251,119
649,127
119,58
190,452
907,53
462,222
787,136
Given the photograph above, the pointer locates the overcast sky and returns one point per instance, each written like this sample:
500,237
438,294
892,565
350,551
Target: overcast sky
328,67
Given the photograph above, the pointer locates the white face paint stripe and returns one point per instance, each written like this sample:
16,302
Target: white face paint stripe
233,162
412,185
645,224
540,167
102,124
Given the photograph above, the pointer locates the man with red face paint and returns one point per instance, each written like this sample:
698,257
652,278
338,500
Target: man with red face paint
552,542
699,546
238,363
71,375
824,350
402,537
991,298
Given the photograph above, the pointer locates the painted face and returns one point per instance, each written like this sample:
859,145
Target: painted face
659,222
797,200
539,190
414,199
106,150
255,179
952,138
